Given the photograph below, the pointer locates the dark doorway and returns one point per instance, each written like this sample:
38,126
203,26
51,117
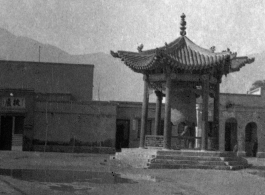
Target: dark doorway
251,140
6,132
19,124
122,134
230,134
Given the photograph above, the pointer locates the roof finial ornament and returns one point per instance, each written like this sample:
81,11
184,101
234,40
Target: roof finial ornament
140,48
183,25
166,45
114,54
212,49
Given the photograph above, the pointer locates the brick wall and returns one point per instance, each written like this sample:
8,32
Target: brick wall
90,124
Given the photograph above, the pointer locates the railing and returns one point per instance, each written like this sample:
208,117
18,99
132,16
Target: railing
180,142
186,142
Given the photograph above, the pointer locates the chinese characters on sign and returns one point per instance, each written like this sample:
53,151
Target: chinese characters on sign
13,102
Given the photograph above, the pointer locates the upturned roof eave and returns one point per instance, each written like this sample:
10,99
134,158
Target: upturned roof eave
238,62
181,53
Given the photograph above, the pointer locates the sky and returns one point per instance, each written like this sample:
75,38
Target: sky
91,26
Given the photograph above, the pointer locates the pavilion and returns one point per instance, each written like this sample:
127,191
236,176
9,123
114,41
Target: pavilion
182,71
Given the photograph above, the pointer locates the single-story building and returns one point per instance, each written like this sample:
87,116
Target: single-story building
49,107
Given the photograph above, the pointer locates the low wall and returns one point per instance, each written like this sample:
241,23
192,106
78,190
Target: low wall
88,126
71,149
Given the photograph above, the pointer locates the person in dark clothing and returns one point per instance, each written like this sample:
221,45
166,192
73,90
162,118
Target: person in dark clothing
119,136
189,131
255,148
235,149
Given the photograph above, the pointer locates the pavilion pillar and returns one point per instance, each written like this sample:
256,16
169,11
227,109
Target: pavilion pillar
167,120
159,97
198,132
205,124
144,112
216,116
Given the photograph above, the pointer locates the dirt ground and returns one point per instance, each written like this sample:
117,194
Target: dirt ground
127,180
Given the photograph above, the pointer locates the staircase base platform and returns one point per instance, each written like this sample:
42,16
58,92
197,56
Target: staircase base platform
181,159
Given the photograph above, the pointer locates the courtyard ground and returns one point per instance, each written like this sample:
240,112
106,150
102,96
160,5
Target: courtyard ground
62,173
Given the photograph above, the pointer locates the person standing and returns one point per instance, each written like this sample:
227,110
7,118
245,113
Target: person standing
255,148
235,149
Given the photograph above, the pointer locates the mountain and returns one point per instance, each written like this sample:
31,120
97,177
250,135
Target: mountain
112,79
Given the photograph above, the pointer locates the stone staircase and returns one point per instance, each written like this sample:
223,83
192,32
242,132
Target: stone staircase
181,159
136,157
17,140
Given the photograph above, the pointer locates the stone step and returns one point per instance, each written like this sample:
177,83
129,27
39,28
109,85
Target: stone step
168,153
135,155
138,150
180,157
194,153
233,163
187,166
237,167
17,140
134,162
190,162
229,158
121,157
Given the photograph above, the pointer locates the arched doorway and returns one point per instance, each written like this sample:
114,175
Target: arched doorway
230,134
251,141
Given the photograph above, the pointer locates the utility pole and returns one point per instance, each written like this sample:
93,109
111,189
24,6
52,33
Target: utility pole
39,53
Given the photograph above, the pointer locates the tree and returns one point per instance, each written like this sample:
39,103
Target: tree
257,84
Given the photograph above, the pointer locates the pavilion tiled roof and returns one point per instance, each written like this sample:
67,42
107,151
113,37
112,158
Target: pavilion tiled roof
181,54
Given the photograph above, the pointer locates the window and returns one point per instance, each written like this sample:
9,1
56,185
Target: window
19,125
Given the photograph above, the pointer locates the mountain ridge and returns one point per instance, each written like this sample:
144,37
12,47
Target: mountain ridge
113,81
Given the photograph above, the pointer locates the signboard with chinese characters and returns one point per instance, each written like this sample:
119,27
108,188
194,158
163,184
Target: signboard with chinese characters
13,102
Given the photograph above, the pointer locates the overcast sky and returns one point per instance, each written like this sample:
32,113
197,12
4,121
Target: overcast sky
89,26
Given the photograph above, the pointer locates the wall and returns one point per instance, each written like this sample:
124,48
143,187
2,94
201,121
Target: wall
243,116
133,111
74,79
243,100
90,124
245,109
